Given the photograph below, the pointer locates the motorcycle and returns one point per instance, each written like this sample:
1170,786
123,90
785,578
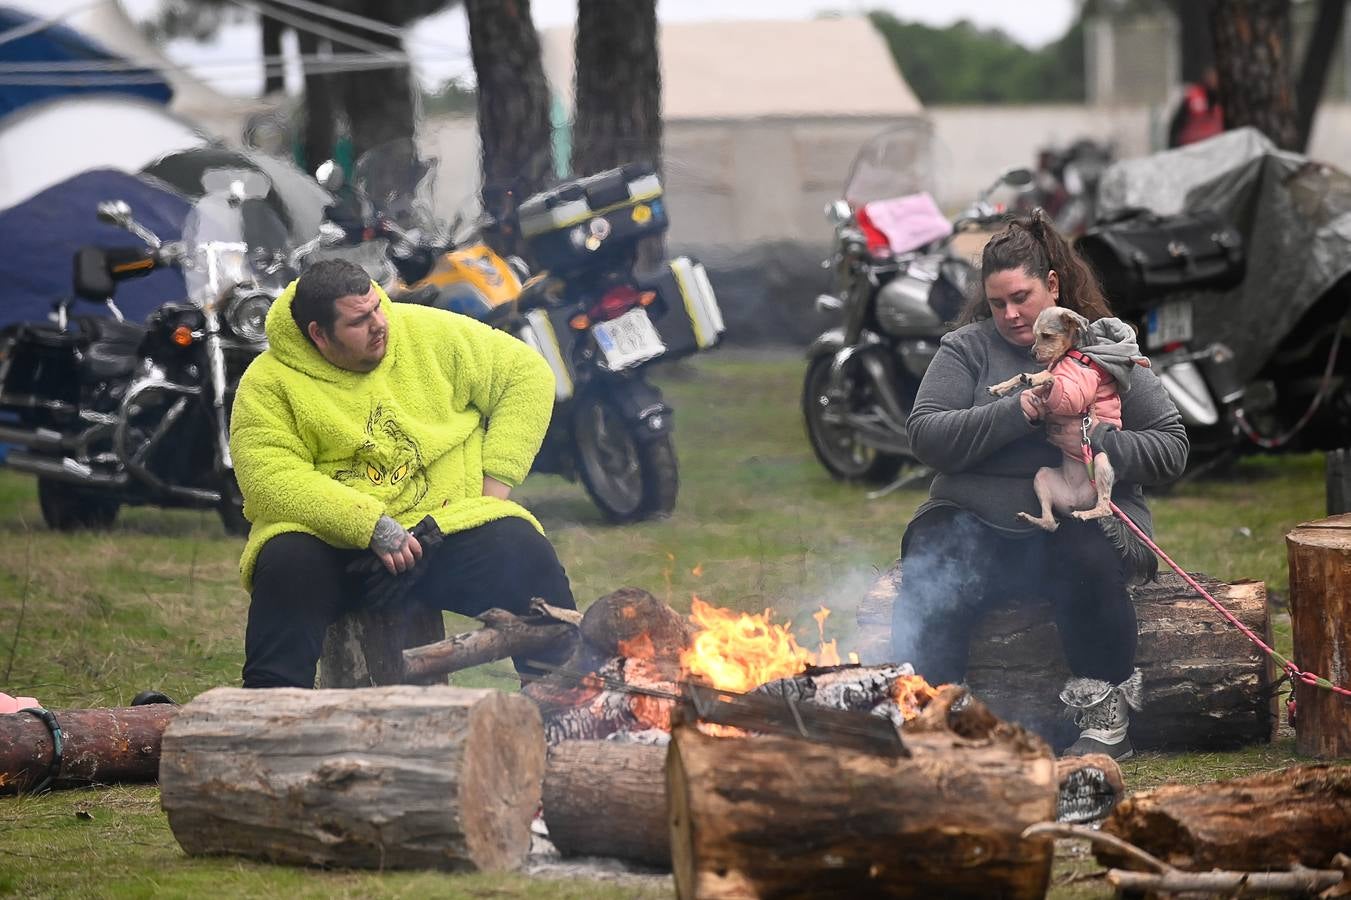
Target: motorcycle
106,412
1067,181
897,301
597,322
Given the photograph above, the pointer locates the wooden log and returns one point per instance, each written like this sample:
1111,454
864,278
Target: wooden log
503,635
1206,687
608,798
1319,555
99,746
1268,821
393,777
781,817
631,622
365,648
1090,787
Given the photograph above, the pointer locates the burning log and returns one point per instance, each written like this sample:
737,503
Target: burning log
99,746
503,635
778,816
607,798
1319,554
1205,686
365,647
1269,821
631,622
396,777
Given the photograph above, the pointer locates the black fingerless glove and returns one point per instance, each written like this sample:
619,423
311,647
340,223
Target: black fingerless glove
379,588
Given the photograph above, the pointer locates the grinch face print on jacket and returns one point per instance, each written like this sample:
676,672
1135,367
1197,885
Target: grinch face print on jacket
388,459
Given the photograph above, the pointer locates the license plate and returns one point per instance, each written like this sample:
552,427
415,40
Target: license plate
1169,323
628,340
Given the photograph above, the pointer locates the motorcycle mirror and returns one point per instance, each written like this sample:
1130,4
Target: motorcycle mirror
114,212
329,175
838,212
331,234
1018,178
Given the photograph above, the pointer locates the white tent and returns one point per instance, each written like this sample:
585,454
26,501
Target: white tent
46,143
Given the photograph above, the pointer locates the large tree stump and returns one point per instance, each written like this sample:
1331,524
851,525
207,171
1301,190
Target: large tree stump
1267,821
773,816
365,647
607,798
395,777
1320,617
1206,687
99,746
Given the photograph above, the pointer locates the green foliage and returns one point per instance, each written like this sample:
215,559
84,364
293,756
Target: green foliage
452,98
966,64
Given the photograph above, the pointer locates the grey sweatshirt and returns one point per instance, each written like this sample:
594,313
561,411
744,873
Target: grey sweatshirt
986,453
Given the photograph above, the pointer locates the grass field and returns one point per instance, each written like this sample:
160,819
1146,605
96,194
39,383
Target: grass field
92,619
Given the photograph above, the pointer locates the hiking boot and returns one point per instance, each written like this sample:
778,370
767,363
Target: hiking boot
1101,710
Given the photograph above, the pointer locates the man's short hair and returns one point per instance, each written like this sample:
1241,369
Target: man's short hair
319,290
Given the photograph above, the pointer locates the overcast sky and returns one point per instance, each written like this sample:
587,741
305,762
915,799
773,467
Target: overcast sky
440,44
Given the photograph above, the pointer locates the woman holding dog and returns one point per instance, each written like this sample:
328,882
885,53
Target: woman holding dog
967,551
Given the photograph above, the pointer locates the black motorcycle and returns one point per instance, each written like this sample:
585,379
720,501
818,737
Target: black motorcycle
598,323
107,412
862,376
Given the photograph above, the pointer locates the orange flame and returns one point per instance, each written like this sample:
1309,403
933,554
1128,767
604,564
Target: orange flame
912,693
736,651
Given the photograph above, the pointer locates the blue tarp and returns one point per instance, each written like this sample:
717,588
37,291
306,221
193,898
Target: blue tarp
21,85
39,237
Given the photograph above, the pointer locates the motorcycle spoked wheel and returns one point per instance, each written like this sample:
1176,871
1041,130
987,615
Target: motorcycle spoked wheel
837,447
68,507
629,477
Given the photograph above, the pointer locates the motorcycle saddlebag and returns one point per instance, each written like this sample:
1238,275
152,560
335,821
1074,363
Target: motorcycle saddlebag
691,319
1147,255
538,330
567,227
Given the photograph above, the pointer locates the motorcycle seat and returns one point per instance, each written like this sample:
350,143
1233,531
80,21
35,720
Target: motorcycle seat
112,347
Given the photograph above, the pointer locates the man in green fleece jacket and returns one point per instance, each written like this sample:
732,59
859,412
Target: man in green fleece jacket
361,419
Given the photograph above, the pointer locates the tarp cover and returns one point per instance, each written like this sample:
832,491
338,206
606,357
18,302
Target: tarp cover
1295,217
41,235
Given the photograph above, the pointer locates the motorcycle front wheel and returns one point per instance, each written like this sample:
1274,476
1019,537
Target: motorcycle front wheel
67,507
837,446
630,476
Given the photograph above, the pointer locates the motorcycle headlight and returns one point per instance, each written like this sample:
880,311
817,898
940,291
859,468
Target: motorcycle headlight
247,315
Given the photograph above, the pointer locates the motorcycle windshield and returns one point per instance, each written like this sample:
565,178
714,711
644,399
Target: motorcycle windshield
396,181
891,164
232,237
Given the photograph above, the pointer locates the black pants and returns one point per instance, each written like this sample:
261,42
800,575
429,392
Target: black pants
955,568
300,587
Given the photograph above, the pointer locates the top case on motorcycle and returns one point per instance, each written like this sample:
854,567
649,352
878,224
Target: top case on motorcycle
568,227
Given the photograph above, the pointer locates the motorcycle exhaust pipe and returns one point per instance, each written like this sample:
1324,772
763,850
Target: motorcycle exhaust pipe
64,469
43,439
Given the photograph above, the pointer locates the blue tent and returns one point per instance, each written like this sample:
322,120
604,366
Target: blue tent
27,73
40,237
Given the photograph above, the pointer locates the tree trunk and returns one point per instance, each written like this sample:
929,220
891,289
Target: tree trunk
274,77
320,112
365,647
1252,57
1268,821
1313,72
1196,45
99,746
780,817
607,798
618,90
1319,556
513,111
400,777
1205,686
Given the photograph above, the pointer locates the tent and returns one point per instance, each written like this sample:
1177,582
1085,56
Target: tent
47,143
41,235
40,61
